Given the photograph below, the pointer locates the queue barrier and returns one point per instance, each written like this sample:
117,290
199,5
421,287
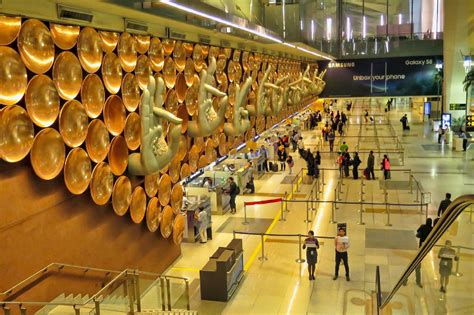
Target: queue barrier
264,236
261,202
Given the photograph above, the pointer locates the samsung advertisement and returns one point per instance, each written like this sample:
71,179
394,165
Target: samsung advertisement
407,76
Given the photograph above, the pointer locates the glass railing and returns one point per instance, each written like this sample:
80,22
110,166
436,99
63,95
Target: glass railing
124,292
440,278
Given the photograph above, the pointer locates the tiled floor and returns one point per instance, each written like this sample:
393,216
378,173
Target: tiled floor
280,285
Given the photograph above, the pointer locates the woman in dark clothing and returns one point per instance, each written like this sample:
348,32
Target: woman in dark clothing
309,162
422,233
346,163
311,245
317,158
355,164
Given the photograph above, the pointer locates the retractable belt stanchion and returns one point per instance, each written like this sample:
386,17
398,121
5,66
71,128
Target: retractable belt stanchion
263,257
286,202
245,214
282,211
300,259
458,254
361,210
307,220
333,212
387,208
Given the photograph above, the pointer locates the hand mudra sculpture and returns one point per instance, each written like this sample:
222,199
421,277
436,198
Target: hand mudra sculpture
155,153
280,95
263,97
241,122
208,120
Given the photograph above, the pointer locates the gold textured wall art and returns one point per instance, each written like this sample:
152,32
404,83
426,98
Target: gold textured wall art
75,100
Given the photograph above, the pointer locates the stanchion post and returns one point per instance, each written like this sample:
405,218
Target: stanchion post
333,213
324,183
286,202
410,182
262,241
421,201
245,214
458,254
387,209
307,220
300,258
282,211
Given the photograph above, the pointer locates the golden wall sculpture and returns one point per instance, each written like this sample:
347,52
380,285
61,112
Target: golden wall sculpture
70,98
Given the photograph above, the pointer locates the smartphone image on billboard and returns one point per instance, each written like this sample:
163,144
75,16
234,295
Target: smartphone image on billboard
378,82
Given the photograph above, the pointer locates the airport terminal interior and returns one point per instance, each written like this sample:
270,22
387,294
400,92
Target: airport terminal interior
236,157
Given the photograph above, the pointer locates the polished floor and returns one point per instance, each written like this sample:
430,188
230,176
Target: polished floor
280,285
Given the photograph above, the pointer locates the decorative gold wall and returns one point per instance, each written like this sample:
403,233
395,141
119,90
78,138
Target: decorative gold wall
70,98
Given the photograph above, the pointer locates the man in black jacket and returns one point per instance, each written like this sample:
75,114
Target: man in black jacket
233,192
444,204
370,165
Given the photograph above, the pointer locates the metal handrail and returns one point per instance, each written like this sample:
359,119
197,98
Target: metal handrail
279,234
448,218
359,202
43,270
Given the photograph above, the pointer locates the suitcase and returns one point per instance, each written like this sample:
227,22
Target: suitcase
366,173
274,167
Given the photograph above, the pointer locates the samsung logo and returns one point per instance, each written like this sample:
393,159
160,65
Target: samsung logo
419,62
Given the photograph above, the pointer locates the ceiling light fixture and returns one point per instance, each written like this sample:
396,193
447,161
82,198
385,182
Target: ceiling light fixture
231,24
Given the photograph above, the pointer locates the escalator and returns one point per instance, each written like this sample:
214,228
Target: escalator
440,278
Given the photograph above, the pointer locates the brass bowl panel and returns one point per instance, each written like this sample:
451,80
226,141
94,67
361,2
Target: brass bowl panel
89,49
181,87
164,190
182,148
132,131
238,72
188,48
227,51
236,55
183,114
126,52
178,229
67,75
213,52
143,71
205,51
130,92
198,144
97,141
223,149
169,73
203,161
175,167
138,205
166,225
151,184
153,214
221,78
102,182
231,93
42,100
16,133
109,41
10,27
221,63
112,73
179,56
64,36
198,57
185,171
114,115
168,46
189,72
73,123
48,154
208,149
118,155
191,98
13,78
171,103
77,171
142,43
36,46
93,95
122,195
156,54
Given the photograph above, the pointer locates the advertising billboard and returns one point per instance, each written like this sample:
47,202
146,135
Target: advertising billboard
406,76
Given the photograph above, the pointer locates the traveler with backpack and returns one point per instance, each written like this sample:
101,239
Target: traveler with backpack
233,191
290,162
404,121
331,137
386,167
355,164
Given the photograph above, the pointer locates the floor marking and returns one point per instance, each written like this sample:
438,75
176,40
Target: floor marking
185,269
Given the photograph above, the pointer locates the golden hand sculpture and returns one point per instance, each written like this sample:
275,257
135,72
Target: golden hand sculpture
296,91
208,120
318,82
155,153
263,97
241,122
280,94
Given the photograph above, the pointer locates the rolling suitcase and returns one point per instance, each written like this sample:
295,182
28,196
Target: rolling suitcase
275,167
366,173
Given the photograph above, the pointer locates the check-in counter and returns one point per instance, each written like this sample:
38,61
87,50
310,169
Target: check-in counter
191,229
219,199
222,274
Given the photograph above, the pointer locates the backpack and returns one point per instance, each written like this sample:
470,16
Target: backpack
237,190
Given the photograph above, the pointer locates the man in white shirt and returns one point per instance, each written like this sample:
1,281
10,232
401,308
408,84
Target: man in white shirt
300,145
342,244
203,221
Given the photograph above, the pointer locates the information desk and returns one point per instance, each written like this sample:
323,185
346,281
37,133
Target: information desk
222,274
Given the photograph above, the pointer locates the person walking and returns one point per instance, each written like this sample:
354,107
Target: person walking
370,165
300,145
331,137
291,163
347,163
446,256
386,167
342,244
282,157
294,140
404,121
311,245
343,147
203,222
444,204
233,191
355,165
264,153
422,233
366,116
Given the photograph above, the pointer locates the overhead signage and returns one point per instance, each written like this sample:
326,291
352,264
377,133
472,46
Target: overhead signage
461,106
407,76
470,123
